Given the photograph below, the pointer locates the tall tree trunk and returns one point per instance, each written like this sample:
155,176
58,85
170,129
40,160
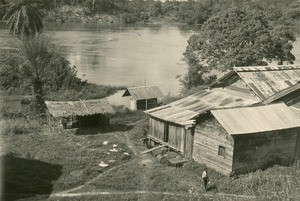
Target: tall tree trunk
39,96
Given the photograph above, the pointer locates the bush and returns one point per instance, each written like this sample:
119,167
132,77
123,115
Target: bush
18,126
129,18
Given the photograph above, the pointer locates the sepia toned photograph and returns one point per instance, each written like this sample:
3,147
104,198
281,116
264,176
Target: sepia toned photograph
149,100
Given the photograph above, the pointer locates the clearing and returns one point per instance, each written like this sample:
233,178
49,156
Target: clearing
64,165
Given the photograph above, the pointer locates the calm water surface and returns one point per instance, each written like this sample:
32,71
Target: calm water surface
124,55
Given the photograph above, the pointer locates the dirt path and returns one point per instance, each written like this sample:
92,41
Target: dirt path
145,193
146,161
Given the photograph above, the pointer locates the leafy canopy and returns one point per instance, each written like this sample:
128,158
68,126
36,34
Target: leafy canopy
24,18
36,64
239,37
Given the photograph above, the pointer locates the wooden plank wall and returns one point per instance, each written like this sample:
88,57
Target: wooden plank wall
151,103
189,142
177,137
156,129
262,150
209,135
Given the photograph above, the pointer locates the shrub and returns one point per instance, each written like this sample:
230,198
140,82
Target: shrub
18,126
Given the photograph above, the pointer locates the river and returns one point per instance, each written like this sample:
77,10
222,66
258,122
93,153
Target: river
122,55
125,55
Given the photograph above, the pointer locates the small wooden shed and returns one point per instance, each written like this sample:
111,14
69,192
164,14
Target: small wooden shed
82,113
240,140
144,97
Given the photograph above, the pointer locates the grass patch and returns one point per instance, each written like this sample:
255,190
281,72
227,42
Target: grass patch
78,155
19,126
85,92
124,115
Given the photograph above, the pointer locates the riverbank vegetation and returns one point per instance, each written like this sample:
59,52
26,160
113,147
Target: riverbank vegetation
34,66
131,11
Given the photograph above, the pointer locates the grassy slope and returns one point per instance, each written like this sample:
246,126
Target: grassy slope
71,160
76,157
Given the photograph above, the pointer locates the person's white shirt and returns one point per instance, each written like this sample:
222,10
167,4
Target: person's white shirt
204,174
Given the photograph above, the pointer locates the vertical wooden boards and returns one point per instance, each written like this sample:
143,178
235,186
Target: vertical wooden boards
157,129
146,104
262,150
189,142
209,135
177,137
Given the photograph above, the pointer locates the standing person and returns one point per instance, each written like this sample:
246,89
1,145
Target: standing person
205,178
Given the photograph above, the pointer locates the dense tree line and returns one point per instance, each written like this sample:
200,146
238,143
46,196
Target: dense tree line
191,11
241,33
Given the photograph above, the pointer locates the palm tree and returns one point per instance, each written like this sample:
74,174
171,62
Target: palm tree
24,18
34,57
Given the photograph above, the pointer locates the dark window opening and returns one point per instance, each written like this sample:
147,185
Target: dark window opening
221,151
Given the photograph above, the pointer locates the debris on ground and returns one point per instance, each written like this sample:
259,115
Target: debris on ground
115,146
113,150
102,164
105,142
125,153
111,161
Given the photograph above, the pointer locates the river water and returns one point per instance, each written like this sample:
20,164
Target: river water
124,55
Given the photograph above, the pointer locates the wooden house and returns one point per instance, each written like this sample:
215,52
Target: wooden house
240,140
264,81
144,97
83,113
174,124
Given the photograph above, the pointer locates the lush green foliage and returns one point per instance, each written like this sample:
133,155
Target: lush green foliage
192,11
239,38
240,34
23,18
36,65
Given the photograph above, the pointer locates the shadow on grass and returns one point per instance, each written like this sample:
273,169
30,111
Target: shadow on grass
98,130
27,178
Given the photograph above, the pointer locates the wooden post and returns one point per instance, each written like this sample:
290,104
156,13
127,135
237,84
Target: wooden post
146,104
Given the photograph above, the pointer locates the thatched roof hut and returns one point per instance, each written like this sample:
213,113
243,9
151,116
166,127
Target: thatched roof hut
79,108
85,112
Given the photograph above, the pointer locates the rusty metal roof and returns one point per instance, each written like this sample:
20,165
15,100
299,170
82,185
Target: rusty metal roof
144,92
266,81
184,110
79,108
247,120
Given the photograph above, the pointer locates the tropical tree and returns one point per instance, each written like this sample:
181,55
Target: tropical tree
41,66
24,18
238,37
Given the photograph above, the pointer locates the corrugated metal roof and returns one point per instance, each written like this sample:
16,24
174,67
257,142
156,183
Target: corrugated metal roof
79,108
143,92
248,120
266,81
183,110
296,111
